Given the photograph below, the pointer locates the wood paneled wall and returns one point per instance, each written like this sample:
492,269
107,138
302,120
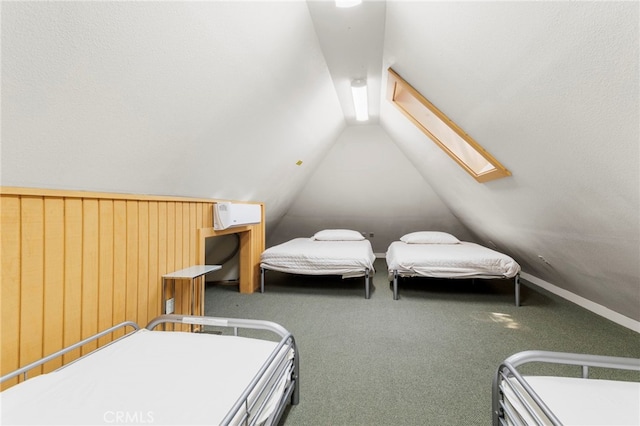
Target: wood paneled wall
74,263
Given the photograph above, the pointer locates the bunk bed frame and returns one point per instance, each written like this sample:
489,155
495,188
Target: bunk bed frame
263,400
517,399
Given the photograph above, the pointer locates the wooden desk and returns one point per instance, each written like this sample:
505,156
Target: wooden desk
252,243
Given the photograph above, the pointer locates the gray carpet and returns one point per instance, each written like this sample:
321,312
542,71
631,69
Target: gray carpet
426,359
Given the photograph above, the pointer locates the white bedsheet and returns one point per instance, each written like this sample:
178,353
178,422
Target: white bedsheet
464,260
308,257
577,401
150,377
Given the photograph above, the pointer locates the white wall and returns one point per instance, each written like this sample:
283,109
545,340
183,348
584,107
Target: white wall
366,183
551,90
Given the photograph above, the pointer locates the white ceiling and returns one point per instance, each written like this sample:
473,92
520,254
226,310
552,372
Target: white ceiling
221,99
352,41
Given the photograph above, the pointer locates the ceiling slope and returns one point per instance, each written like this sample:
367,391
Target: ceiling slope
205,99
551,90
352,40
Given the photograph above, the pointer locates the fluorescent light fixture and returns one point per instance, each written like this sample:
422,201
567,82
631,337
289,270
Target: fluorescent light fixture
360,103
347,3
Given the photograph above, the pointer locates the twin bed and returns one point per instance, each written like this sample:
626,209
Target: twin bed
164,377
329,252
425,254
519,399
441,255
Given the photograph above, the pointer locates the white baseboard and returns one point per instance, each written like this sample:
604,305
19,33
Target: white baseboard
380,255
585,303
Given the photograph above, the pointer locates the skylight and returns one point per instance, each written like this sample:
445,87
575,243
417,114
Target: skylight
445,133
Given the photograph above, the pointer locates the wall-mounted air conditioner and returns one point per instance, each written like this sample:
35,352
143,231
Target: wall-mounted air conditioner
227,215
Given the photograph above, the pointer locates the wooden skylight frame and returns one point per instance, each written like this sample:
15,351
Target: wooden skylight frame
443,131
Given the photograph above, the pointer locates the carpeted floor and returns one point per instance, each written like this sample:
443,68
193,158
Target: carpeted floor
426,359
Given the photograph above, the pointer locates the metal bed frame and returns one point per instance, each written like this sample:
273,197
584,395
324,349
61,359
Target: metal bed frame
516,283
507,371
247,410
366,273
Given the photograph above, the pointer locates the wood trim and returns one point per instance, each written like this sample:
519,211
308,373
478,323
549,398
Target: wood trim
251,246
64,193
74,262
396,84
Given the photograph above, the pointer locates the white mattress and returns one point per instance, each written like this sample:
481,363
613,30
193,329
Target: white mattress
309,257
583,402
150,377
464,260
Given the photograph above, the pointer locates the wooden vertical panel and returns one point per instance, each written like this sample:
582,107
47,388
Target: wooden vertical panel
199,256
32,278
132,261
207,216
185,285
193,225
203,223
254,255
72,274
119,263
153,292
171,237
181,285
258,239
261,239
106,267
171,245
171,251
162,248
245,260
193,260
143,262
178,257
90,249
199,217
186,261
53,279
10,284
178,253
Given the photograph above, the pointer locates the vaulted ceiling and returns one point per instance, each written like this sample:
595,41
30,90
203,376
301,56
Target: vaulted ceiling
223,99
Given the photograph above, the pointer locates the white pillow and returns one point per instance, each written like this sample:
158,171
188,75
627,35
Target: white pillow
337,235
429,237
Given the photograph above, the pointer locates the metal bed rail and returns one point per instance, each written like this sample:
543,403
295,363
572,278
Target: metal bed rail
366,273
502,412
251,411
264,384
516,283
24,370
